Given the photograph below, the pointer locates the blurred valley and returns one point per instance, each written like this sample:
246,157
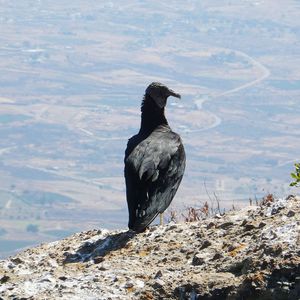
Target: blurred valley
72,76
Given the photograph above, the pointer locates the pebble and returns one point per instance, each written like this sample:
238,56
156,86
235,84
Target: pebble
128,285
98,259
262,224
4,279
210,225
139,284
159,282
63,278
205,244
218,256
172,227
248,227
226,225
102,268
291,213
17,260
199,259
175,258
158,274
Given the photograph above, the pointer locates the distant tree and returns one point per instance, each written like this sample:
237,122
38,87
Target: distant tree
32,228
296,176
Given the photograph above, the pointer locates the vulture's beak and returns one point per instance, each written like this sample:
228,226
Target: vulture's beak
172,93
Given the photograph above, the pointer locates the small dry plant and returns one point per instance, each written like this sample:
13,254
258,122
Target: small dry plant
264,201
196,214
267,200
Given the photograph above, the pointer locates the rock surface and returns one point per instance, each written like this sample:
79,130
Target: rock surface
253,253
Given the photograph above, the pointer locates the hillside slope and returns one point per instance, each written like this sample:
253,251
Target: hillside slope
253,253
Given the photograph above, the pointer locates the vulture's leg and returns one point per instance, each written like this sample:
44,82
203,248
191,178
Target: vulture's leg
161,219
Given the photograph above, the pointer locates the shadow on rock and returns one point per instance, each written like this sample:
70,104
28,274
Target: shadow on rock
96,250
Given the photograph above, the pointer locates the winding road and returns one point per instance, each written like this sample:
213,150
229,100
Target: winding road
265,73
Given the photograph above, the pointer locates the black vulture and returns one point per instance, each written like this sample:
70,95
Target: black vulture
154,160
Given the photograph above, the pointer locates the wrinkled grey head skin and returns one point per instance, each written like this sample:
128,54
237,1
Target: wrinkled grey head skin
160,93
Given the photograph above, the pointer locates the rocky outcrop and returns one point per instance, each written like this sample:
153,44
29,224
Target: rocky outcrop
253,253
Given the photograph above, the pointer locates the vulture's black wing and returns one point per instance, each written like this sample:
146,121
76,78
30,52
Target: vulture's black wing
153,171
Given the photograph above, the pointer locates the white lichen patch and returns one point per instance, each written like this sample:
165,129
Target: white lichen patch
287,233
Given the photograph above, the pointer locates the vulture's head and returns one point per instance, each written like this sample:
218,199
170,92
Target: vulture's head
160,93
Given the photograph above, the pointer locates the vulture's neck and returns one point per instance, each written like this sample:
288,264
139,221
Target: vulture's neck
152,116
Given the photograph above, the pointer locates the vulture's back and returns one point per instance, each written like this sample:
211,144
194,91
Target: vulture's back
154,166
